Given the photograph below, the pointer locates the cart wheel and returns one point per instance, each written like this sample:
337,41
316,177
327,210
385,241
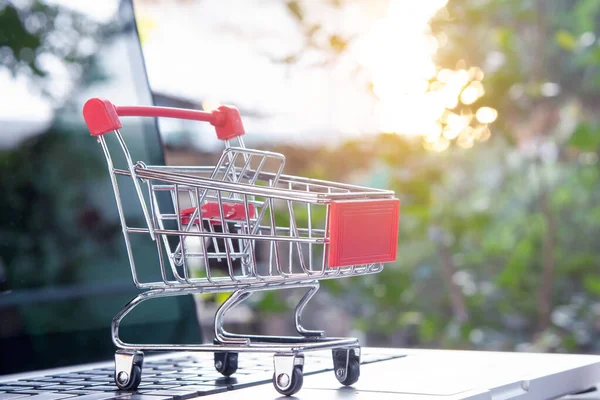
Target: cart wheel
133,382
226,362
352,373
346,365
287,388
128,369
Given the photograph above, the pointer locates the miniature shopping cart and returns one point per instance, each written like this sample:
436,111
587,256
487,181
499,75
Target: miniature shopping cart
266,231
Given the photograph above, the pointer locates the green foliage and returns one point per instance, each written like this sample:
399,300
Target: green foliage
585,137
565,40
271,301
592,284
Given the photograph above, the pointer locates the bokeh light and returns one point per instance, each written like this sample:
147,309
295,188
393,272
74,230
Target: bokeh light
486,115
415,96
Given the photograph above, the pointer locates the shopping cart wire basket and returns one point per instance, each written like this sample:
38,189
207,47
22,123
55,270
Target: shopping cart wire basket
266,230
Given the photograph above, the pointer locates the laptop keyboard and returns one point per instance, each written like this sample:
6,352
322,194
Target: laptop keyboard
176,378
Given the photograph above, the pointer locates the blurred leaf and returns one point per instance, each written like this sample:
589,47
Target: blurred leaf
221,297
428,330
591,283
565,40
505,38
296,10
585,13
314,29
337,43
416,210
511,276
589,58
570,343
585,138
271,302
561,197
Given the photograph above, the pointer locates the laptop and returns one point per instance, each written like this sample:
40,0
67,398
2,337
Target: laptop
63,265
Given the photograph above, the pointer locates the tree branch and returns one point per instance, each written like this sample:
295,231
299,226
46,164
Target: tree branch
545,292
459,308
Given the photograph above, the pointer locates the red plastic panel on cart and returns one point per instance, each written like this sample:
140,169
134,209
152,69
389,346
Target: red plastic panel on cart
363,232
100,116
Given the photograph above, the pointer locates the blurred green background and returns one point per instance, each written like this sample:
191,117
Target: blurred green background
499,238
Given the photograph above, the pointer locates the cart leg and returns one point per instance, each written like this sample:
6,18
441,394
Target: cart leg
221,335
128,369
312,290
346,365
289,373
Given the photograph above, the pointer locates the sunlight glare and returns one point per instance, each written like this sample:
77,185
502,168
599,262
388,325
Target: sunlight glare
414,96
210,105
400,77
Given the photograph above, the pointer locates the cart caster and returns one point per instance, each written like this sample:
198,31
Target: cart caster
128,369
226,363
346,364
289,375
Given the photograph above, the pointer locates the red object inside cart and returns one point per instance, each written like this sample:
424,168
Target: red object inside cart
211,212
363,232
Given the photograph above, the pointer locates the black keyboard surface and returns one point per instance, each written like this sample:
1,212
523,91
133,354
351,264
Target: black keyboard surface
177,378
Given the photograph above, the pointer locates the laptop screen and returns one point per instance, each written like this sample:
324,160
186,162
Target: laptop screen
64,272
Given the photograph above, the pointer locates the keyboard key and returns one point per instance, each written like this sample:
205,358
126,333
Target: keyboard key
18,383
50,396
175,394
158,387
183,376
55,380
39,384
72,375
11,396
101,388
80,391
165,366
193,381
238,382
95,372
87,384
91,382
62,387
100,396
189,364
12,388
204,389
165,373
32,391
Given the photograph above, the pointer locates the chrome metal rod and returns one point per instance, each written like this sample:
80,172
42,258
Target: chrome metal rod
233,236
312,290
233,300
124,228
136,184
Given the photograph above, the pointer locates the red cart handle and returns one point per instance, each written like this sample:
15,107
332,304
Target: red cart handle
101,116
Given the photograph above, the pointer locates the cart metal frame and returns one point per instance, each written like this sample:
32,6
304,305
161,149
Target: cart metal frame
233,207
